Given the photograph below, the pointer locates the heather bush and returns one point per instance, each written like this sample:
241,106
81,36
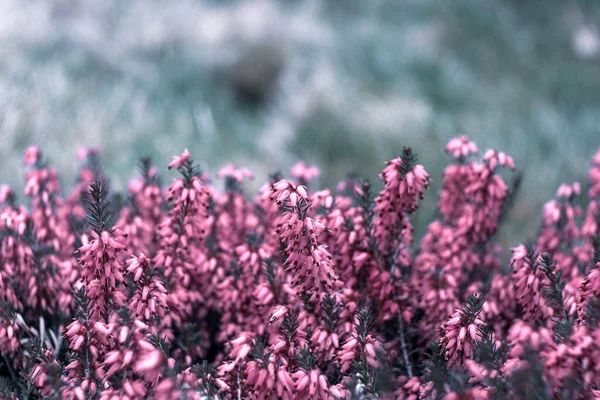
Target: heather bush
197,291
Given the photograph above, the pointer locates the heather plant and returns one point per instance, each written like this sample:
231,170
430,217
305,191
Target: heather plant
199,291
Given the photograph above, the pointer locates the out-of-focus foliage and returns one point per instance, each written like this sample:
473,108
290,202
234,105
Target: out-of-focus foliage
340,83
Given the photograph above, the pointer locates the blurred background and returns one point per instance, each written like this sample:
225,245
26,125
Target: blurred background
344,84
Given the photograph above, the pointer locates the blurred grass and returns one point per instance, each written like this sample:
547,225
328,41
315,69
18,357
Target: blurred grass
344,84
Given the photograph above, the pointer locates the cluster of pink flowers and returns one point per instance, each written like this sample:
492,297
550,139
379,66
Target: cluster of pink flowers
198,291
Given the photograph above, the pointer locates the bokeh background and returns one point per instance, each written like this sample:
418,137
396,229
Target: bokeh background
344,84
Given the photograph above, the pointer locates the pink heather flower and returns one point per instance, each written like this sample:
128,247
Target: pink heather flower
131,390
522,336
149,301
405,181
32,155
305,173
140,221
83,153
261,376
309,262
130,350
500,307
440,298
180,234
238,174
350,351
178,161
277,313
594,177
241,346
576,359
494,159
102,273
591,226
460,332
528,282
475,393
311,384
150,362
590,290
361,345
461,147
286,192
6,194
252,255
408,388
9,335
560,220
568,191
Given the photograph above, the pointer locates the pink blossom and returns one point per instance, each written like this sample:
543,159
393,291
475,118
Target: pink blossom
32,155
461,147
305,173
238,174
179,160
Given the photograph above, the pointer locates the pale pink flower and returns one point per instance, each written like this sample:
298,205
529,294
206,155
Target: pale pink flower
238,174
461,147
32,155
178,161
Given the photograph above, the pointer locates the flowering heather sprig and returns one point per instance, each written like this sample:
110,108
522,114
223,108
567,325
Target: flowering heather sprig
305,173
571,367
528,283
408,388
591,225
457,251
74,210
41,185
559,225
308,379
404,182
325,339
362,352
140,219
308,260
180,233
149,300
87,339
133,358
562,317
500,307
101,271
461,147
10,344
461,332
232,218
239,175
37,248
589,306
291,337
489,359
436,374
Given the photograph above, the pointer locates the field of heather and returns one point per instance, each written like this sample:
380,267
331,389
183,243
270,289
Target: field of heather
196,292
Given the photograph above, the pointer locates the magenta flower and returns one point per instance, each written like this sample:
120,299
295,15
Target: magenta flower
178,161
305,173
461,332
